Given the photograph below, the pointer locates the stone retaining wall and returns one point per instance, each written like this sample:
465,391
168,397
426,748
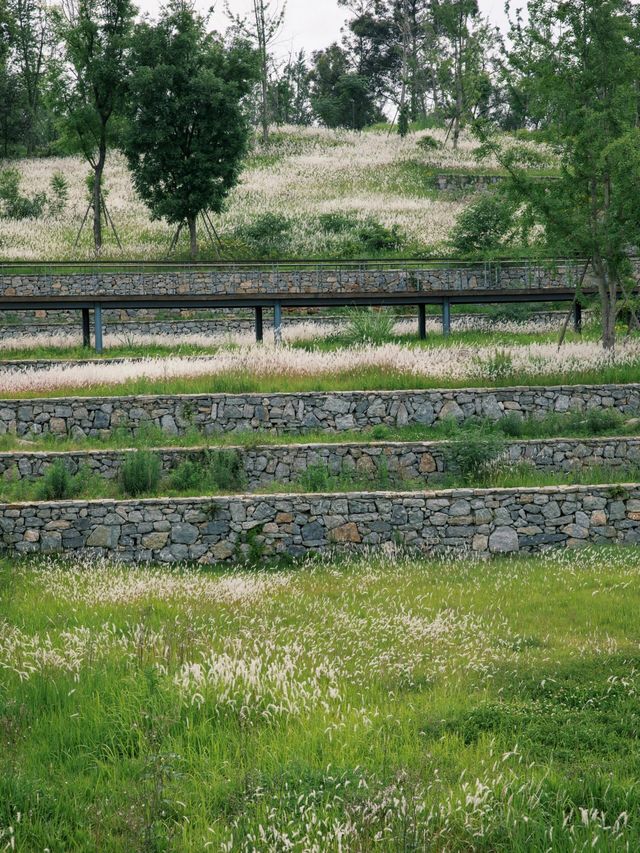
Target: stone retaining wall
216,413
447,182
215,529
198,281
224,326
422,462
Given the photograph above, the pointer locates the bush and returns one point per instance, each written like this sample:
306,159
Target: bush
57,484
429,143
472,456
14,205
497,368
222,470
486,225
369,326
140,473
378,238
316,478
59,193
338,223
268,235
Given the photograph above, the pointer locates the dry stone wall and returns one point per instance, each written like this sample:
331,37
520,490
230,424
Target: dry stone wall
212,530
421,462
281,413
198,281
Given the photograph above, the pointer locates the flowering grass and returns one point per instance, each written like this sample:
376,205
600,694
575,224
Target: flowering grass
301,175
392,366
386,703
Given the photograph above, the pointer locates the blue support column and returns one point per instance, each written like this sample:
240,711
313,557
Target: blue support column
577,318
259,325
97,322
277,323
446,317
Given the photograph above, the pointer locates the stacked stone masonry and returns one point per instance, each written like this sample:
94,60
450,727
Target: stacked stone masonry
489,276
281,413
178,327
420,462
212,530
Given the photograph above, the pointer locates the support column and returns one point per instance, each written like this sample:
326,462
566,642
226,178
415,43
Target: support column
97,322
422,322
577,317
259,325
86,328
446,317
277,323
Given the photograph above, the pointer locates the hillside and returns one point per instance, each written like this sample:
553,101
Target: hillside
323,193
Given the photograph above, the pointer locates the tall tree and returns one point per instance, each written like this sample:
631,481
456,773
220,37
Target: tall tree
467,40
289,92
30,40
90,82
583,67
264,27
187,131
340,97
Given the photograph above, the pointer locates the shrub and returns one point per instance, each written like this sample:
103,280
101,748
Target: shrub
429,143
498,367
472,456
224,470
603,420
140,473
57,484
316,478
14,205
267,235
368,326
338,223
378,238
512,425
485,225
59,193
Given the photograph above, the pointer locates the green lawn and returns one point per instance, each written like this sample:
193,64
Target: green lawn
390,704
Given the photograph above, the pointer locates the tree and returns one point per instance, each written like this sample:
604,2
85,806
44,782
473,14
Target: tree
30,40
90,82
187,132
589,105
289,93
467,40
339,97
264,28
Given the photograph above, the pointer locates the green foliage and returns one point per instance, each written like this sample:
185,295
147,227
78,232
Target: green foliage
140,473
338,223
187,131
222,470
57,484
14,205
428,143
473,455
267,236
499,367
316,478
375,237
487,224
369,326
59,193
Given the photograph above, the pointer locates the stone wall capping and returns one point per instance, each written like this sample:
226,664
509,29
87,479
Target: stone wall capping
431,494
300,395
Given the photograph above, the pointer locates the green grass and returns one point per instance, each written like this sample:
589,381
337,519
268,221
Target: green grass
449,706
576,424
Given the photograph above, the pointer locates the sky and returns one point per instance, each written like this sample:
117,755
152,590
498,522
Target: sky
309,24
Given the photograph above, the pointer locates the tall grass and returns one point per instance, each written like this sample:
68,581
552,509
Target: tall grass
388,703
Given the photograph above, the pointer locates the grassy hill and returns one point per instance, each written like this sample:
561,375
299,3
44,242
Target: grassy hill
308,193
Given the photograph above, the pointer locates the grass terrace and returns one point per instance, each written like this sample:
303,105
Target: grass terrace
383,703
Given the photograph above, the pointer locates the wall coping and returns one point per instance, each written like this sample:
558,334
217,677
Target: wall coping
319,496
301,395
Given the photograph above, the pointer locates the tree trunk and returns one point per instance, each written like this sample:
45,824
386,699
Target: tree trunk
608,302
98,169
193,238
